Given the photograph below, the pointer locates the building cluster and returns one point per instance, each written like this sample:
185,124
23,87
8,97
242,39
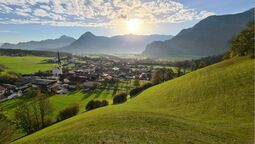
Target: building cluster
77,73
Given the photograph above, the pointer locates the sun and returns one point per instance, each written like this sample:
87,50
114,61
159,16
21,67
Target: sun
133,25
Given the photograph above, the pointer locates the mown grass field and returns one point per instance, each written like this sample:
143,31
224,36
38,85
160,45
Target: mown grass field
211,105
26,64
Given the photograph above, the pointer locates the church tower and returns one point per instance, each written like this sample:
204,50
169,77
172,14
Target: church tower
59,60
58,70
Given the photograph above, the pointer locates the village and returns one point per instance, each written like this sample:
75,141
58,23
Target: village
72,73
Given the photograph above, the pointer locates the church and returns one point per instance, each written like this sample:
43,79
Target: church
58,69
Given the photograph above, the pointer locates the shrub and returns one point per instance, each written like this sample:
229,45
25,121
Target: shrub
68,112
147,85
120,98
138,90
93,104
9,77
105,103
135,91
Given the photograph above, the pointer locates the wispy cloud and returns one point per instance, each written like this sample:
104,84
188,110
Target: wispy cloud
7,31
95,12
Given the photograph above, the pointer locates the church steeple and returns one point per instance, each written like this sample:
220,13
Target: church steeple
58,70
59,60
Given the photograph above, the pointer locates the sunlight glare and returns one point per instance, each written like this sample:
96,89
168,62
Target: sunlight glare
133,25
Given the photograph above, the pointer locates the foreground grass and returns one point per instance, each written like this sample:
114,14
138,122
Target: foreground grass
211,105
26,64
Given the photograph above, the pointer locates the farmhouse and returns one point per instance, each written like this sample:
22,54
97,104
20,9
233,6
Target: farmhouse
3,90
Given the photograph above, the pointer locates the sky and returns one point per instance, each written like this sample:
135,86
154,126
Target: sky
25,20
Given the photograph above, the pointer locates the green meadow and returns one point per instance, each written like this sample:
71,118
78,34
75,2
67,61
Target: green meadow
212,105
25,64
59,101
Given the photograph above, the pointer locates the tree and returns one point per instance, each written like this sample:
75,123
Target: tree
138,90
93,104
2,67
243,43
161,75
104,103
135,91
120,98
6,129
32,92
136,82
147,85
68,112
157,76
24,118
31,116
44,108
9,77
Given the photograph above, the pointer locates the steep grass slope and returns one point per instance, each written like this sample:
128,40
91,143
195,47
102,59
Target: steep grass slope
211,105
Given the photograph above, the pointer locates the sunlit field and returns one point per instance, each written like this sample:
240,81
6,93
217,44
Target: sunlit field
25,64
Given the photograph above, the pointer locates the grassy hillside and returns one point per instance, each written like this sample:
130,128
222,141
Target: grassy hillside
211,105
26,64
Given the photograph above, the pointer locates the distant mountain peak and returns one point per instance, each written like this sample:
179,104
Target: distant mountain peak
90,43
64,36
88,34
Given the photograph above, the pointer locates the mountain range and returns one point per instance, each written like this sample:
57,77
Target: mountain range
211,36
90,43
49,44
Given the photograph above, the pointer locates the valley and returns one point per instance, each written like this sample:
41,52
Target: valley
127,72
163,114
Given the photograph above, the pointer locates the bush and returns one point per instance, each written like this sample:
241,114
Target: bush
135,91
68,112
138,90
120,98
147,85
9,77
105,103
93,104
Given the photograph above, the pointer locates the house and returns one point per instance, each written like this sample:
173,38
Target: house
7,90
144,76
44,84
90,85
15,94
23,83
56,71
3,91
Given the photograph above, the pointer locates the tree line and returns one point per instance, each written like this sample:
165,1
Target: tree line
20,52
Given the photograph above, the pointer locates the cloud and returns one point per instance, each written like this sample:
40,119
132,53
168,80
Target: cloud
40,13
5,9
7,31
96,12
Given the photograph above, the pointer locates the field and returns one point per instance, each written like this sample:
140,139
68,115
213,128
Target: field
26,64
210,105
104,92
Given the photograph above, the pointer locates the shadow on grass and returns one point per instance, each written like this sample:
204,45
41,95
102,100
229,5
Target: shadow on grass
98,93
115,88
